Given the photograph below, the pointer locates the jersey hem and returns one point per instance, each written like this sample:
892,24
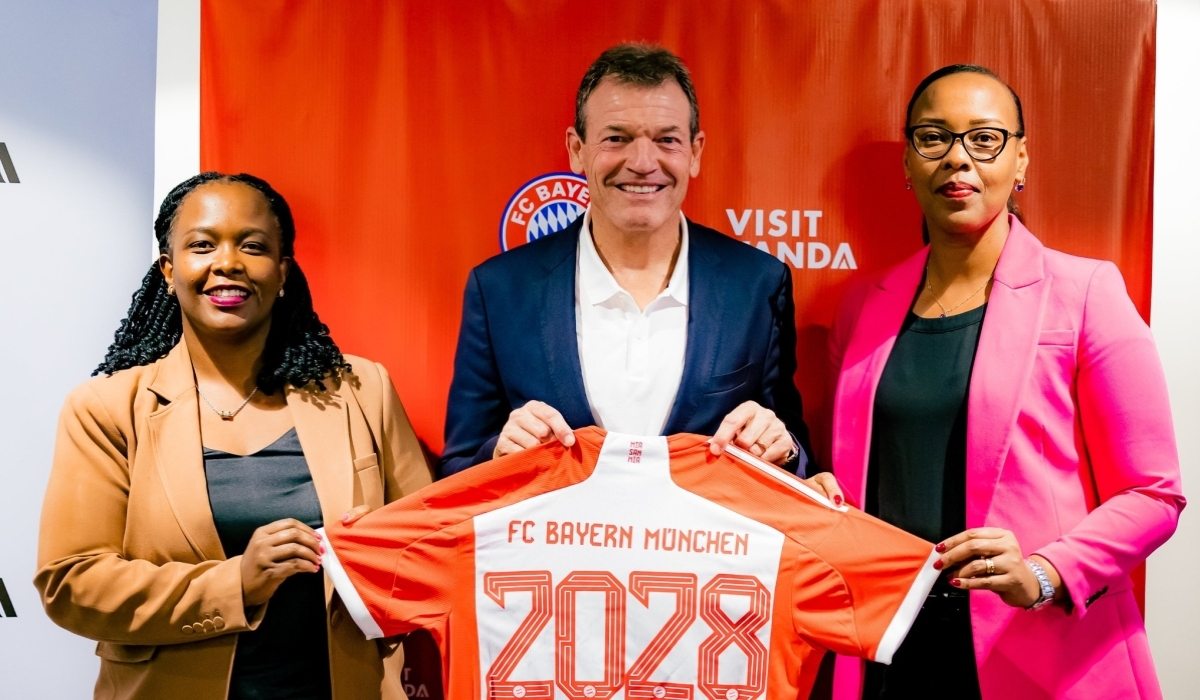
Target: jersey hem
903,620
350,597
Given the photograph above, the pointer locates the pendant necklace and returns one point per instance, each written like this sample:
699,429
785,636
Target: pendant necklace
226,415
945,311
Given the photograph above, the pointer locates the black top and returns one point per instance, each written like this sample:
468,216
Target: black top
287,657
917,475
917,481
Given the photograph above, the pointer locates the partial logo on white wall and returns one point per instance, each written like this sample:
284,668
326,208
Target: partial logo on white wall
6,606
8,171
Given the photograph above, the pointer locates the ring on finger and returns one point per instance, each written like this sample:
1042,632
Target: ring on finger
991,566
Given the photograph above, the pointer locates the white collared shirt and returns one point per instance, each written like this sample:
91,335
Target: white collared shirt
632,360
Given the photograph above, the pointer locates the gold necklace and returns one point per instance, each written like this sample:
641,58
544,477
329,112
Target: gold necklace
227,415
945,311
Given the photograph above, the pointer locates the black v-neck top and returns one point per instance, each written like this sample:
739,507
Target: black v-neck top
287,657
916,478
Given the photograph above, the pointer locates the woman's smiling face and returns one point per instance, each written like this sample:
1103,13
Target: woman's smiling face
225,259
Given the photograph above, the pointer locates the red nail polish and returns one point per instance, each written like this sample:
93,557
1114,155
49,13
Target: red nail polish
837,500
319,536
941,547
321,549
938,564
955,582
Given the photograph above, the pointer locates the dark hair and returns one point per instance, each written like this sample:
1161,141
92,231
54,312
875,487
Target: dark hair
299,350
978,70
643,65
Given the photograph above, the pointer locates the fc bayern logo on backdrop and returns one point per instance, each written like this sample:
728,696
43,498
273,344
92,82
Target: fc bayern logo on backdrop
546,204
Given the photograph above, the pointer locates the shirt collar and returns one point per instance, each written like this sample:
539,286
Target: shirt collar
598,283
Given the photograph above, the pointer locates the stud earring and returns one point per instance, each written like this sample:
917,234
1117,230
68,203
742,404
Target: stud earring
171,289
281,292
1021,185
908,184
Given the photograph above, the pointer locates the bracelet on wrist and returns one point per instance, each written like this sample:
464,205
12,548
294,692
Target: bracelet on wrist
1046,596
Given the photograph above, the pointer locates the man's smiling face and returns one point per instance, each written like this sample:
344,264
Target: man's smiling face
639,154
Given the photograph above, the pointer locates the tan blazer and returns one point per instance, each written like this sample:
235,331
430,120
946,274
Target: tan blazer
128,552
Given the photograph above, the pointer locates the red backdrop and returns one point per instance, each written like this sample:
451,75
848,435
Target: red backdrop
400,130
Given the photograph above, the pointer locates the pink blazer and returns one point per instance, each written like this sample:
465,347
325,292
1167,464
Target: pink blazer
1070,445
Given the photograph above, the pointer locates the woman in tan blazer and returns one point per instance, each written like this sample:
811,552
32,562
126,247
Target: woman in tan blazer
178,527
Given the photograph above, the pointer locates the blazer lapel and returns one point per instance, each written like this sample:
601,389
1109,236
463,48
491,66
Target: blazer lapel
175,440
875,330
705,315
323,427
560,342
1003,362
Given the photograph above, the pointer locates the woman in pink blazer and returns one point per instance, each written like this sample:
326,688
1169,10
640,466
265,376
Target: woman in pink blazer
1006,401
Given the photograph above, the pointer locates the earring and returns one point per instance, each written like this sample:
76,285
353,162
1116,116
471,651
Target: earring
1021,185
908,183
171,289
281,292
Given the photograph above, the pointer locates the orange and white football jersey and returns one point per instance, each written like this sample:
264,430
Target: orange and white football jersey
630,567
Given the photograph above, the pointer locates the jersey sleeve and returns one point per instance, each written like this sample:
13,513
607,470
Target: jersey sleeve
397,568
394,568
862,591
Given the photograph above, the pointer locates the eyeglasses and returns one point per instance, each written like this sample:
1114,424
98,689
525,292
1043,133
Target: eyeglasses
983,144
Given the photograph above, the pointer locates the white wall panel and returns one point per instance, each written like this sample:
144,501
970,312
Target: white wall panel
77,119
177,96
1173,573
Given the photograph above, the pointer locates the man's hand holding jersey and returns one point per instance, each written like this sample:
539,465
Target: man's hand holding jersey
758,431
531,425
750,426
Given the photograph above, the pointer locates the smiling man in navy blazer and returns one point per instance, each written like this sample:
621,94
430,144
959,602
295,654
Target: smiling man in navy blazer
632,318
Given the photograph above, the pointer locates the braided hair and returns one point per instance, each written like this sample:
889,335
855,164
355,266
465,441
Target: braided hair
299,350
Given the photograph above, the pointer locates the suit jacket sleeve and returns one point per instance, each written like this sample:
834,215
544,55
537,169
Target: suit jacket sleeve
779,371
1129,441
478,406
87,584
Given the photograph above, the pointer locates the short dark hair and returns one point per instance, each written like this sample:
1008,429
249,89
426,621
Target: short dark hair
643,65
963,68
954,69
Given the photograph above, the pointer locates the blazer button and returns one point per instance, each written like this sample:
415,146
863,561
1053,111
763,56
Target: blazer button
219,622
209,626
1095,596
187,629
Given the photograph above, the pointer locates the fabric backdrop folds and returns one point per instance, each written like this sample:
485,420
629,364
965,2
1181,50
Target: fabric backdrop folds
399,131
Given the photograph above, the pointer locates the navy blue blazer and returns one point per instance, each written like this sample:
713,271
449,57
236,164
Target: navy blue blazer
518,342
